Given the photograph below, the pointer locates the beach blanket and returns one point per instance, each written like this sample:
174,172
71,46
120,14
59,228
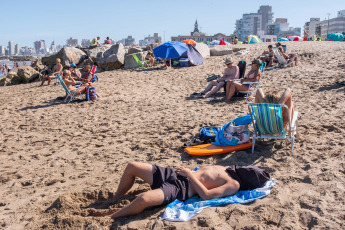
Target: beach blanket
185,210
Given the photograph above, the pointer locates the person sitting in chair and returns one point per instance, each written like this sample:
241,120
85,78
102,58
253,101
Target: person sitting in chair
86,77
151,58
268,56
287,57
57,69
275,98
75,73
168,184
253,76
70,82
231,72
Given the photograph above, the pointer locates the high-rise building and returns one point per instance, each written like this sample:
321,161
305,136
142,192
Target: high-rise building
16,49
11,48
253,23
72,42
129,41
2,50
280,27
150,40
39,45
85,42
313,27
334,25
53,47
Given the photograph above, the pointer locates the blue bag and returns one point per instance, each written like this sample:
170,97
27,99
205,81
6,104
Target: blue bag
208,134
90,93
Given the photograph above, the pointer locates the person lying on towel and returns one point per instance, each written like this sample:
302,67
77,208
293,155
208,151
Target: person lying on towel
168,184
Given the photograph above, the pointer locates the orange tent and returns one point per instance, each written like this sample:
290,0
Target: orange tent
189,42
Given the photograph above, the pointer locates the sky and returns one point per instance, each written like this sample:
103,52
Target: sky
26,21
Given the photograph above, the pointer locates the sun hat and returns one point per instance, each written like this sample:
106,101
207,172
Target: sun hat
228,61
72,65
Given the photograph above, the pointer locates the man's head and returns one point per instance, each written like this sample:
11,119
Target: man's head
270,47
228,62
278,44
235,37
98,38
107,38
87,68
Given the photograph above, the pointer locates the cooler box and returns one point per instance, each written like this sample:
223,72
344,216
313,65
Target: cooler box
184,62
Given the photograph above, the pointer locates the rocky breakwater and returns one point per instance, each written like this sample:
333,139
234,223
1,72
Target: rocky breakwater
24,74
67,55
112,58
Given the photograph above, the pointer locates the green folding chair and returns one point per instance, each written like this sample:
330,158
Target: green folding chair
70,92
140,63
267,120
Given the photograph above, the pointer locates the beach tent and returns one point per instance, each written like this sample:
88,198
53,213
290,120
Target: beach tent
282,40
252,39
221,42
189,42
318,37
193,56
336,37
295,38
169,50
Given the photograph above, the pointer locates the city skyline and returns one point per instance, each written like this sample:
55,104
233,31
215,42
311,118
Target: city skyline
217,17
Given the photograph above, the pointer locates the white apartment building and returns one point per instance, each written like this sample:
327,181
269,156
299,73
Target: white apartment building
150,40
334,25
313,27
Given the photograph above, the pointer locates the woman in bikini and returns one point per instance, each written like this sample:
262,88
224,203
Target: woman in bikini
253,76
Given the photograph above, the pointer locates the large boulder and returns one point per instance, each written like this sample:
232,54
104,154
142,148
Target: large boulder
68,55
113,58
5,81
133,50
25,74
130,62
203,49
92,53
220,50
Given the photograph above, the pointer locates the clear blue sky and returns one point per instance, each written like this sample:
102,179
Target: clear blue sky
25,21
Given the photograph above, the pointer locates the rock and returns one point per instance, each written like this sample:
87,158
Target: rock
5,81
220,50
130,62
86,61
68,55
203,49
92,53
113,58
237,49
26,74
38,65
133,50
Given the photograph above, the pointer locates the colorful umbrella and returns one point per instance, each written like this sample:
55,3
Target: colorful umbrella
252,39
189,42
337,37
221,42
295,38
282,40
169,50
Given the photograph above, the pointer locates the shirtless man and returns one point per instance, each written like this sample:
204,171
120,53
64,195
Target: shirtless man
230,73
168,184
86,77
235,41
268,56
57,69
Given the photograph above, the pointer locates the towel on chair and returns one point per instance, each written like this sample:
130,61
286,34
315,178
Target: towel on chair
185,210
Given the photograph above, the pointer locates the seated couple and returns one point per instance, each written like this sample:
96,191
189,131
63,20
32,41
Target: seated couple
230,78
168,184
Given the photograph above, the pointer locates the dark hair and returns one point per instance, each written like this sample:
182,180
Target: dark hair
270,46
256,61
107,38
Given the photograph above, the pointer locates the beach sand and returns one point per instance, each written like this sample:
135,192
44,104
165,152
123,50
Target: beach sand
61,163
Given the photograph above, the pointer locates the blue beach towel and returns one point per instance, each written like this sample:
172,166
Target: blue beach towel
185,210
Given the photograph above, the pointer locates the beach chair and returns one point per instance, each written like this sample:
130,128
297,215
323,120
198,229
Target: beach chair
282,62
94,76
254,85
140,63
70,92
267,120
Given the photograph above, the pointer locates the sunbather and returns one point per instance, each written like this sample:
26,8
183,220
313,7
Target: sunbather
275,98
231,72
70,82
253,76
168,184
86,77
75,73
57,69
151,58
268,56
288,57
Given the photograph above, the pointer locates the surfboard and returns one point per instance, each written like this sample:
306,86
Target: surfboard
210,149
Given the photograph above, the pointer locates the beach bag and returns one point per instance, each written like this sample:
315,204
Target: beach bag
90,93
206,135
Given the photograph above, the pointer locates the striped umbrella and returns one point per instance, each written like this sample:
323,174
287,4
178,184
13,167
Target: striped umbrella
295,38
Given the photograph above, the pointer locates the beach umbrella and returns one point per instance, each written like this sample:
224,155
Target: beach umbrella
189,42
282,40
215,42
337,37
252,39
295,38
169,50
221,42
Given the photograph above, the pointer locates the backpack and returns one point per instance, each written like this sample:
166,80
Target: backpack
95,78
206,135
242,67
90,93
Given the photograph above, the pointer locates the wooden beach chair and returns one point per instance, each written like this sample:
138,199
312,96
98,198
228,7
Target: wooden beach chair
267,120
70,92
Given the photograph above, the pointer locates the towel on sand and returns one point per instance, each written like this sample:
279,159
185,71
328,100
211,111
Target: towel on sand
185,210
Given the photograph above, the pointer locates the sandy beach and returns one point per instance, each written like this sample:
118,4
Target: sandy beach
60,163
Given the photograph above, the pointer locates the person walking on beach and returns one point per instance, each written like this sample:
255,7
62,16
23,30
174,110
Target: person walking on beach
57,69
231,72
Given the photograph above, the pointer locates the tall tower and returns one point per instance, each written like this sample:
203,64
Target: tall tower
196,27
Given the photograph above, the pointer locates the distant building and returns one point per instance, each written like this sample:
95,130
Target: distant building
16,49
150,40
334,25
198,36
53,47
11,48
313,27
72,42
2,50
253,23
27,51
39,45
58,48
127,41
85,42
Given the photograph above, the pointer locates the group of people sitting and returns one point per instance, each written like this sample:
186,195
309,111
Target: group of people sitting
270,58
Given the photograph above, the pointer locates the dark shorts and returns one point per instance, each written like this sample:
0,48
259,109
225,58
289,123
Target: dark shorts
173,186
249,177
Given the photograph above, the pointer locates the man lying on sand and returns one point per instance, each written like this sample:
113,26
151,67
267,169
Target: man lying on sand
168,184
231,72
